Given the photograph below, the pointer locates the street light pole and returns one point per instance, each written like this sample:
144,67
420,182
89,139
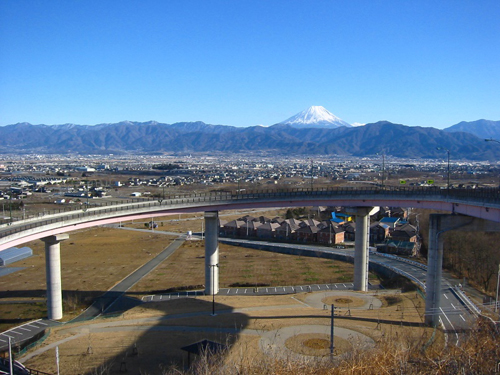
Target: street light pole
498,284
492,140
448,153
311,174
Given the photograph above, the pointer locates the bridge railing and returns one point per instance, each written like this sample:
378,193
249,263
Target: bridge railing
90,211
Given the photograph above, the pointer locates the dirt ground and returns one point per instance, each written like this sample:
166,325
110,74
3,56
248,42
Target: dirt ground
150,337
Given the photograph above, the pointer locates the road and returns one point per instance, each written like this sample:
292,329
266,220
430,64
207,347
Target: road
455,316
111,301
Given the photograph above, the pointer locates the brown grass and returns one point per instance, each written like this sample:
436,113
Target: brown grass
241,266
113,340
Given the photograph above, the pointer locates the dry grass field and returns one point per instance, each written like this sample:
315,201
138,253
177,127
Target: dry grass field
96,259
148,339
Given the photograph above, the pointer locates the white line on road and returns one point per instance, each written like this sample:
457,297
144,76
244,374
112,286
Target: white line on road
462,317
445,296
453,328
453,306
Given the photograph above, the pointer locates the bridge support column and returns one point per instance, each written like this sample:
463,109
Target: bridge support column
211,252
434,271
53,275
438,224
361,254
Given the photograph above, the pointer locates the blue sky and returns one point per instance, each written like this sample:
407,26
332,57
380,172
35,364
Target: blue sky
243,63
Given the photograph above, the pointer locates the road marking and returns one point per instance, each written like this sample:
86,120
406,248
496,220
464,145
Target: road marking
12,337
2,340
327,287
266,291
453,328
336,286
284,290
17,333
453,306
445,296
344,285
301,288
236,291
42,323
24,329
275,290
245,291
227,291
462,317
161,297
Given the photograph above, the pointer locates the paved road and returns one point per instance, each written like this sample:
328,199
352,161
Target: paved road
111,301
454,314
251,291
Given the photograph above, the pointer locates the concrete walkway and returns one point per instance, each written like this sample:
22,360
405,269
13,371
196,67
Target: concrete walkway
273,342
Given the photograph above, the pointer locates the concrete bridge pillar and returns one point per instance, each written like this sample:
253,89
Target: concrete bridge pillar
434,271
53,275
211,252
438,224
361,254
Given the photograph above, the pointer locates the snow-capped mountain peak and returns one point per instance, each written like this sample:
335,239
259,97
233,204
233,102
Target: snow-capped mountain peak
315,117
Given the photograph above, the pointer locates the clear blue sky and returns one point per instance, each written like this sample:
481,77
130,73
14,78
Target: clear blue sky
242,63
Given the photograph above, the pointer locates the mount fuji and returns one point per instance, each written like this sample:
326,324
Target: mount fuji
315,117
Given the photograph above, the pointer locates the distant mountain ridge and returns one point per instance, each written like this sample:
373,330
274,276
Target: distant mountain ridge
153,137
480,128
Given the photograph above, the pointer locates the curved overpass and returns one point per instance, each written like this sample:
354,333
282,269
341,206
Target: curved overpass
478,203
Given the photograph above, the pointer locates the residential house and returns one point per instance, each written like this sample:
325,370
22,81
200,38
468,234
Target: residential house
350,231
232,227
267,230
398,248
331,234
287,230
406,232
390,221
378,232
308,233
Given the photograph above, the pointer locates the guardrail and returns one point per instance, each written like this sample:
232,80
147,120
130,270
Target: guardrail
400,259
466,301
478,196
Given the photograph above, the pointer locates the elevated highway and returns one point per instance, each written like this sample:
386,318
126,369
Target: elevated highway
478,203
475,209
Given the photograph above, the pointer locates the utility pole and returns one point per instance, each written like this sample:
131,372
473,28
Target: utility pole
332,347
498,284
311,174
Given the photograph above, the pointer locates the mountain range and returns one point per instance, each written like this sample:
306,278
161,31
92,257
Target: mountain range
314,131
